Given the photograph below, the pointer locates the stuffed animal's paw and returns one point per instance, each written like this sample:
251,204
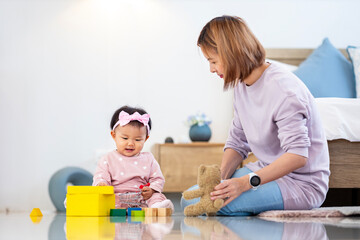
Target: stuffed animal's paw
218,203
193,210
187,195
191,194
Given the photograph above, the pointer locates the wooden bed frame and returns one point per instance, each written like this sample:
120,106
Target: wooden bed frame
344,155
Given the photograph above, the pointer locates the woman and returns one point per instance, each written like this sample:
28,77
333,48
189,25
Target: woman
275,117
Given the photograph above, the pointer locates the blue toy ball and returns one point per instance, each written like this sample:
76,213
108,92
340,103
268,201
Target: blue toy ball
59,181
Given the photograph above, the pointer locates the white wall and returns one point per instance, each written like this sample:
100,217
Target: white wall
67,65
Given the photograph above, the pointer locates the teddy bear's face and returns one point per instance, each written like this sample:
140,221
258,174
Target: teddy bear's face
209,175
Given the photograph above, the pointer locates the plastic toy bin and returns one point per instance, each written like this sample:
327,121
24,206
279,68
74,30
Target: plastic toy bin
89,200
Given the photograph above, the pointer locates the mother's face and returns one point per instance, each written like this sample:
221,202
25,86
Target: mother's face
214,62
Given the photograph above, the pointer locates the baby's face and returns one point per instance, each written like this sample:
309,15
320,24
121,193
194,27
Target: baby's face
129,139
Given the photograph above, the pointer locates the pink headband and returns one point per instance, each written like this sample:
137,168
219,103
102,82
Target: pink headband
125,118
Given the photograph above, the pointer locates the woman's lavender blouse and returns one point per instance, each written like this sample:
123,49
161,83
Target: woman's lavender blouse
275,115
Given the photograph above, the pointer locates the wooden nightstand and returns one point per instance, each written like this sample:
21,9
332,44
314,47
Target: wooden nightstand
179,162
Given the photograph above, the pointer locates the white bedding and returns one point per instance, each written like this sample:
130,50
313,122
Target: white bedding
340,117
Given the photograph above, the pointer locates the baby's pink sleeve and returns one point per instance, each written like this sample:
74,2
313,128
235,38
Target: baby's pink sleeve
156,179
102,173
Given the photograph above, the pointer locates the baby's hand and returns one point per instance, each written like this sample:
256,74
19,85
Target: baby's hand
102,184
147,192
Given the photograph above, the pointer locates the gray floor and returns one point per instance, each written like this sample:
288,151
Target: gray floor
255,228
59,227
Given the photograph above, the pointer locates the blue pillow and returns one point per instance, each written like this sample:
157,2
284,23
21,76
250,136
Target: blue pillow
354,54
327,73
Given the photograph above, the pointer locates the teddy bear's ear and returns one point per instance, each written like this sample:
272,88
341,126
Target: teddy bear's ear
202,168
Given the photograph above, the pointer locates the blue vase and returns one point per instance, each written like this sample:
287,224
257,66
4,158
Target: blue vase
200,133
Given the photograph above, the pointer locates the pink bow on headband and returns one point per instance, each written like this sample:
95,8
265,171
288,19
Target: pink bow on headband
125,118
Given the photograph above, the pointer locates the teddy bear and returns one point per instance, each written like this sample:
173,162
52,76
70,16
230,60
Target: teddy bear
208,177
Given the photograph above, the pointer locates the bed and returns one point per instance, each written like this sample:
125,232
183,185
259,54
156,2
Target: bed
342,131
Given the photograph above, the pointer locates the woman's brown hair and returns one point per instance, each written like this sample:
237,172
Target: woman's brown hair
240,52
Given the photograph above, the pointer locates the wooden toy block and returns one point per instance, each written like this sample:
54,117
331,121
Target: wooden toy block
90,200
118,212
138,213
150,212
164,212
36,213
90,228
132,209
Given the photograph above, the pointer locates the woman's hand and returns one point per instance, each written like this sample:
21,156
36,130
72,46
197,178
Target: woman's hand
147,192
231,189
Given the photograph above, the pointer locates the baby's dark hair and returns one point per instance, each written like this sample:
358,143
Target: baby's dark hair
129,110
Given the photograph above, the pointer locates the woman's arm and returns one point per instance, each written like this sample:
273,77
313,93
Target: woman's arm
232,188
230,161
236,147
285,164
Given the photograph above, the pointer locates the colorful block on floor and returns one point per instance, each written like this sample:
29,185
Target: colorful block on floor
164,212
90,200
138,213
36,213
117,212
132,209
150,212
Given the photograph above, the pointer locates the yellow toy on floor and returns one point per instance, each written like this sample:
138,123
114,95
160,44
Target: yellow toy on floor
36,215
89,201
208,177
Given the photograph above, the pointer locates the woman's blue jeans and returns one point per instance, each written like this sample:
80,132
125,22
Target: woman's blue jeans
265,197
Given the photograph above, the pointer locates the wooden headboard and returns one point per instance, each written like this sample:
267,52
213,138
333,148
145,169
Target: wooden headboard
293,56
